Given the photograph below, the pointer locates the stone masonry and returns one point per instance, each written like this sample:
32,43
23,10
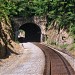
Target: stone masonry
40,21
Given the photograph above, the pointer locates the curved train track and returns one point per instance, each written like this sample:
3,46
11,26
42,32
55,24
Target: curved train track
55,63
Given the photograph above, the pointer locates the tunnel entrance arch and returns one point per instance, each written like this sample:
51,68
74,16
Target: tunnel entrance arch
32,33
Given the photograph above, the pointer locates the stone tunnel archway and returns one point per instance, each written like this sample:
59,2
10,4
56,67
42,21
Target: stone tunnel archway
32,33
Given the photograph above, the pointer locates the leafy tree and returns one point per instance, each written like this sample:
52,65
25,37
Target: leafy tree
62,12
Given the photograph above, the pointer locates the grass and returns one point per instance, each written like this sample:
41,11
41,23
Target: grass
64,46
72,47
53,43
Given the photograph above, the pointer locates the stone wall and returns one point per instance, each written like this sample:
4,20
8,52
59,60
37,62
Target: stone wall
40,21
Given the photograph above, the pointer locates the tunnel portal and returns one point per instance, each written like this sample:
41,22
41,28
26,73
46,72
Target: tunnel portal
32,33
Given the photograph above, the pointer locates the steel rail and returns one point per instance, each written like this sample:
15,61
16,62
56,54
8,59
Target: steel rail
55,63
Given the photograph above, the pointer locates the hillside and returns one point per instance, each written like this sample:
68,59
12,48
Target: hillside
63,40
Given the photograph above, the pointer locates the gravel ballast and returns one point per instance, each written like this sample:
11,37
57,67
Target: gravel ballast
30,62
69,58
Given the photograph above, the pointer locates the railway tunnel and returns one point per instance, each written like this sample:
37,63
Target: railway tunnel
32,33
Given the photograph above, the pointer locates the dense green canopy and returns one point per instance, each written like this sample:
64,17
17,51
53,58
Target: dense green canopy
61,11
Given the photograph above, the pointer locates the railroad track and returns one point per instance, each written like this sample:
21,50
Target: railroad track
55,63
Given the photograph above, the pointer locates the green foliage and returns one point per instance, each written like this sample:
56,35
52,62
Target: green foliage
72,47
63,46
6,8
73,30
53,42
30,8
63,12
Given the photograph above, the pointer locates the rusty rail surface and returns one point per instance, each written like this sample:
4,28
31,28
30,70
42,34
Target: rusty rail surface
55,63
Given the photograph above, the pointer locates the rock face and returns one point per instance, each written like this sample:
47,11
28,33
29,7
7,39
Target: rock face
62,41
57,35
2,49
62,38
5,38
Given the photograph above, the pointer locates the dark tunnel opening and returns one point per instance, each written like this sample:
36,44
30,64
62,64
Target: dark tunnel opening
32,33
